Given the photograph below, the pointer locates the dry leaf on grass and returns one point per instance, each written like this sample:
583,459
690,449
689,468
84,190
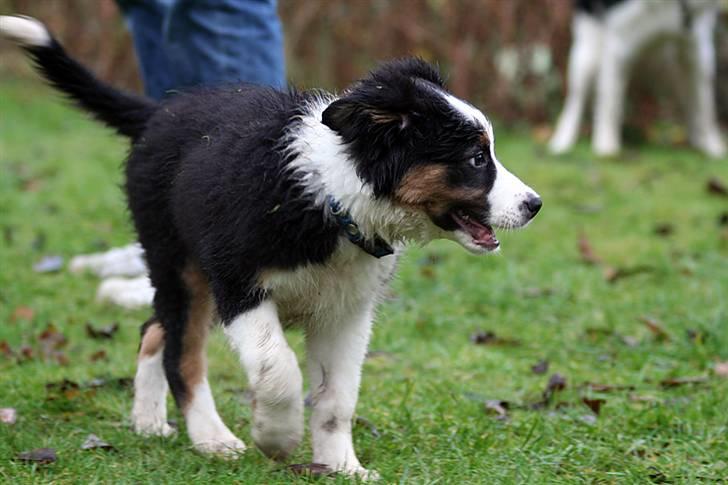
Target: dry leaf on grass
98,355
497,407
311,469
587,253
540,367
606,387
106,332
482,337
612,274
22,313
8,415
721,369
49,264
665,229
93,442
655,326
681,381
40,455
594,404
51,342
362,421
716,187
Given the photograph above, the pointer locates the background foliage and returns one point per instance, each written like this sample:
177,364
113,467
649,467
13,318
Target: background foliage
508,56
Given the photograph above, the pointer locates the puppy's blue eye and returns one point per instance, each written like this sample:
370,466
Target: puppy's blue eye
478,160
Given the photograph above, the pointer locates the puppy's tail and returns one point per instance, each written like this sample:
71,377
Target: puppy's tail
125,112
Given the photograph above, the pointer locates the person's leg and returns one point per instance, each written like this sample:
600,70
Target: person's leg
145,19
213,41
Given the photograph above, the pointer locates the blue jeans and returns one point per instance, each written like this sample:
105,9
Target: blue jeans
183,43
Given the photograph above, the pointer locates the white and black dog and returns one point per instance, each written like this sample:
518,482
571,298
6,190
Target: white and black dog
262,209
607,37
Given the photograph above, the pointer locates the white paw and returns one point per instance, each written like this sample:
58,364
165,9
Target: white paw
361,473
156,428
712,146
560,144
278,435
227,448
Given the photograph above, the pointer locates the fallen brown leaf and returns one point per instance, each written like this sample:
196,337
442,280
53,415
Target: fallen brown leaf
482,337
606,387
556,383
40,455
362,421
51,341
680,381
655,326
587,253
642,398
716,187
723,219
6,350
98,355
665,229
540,367
106,332
612,274
8,415
594,404
93,442
311,469
721,369
22,313
497,407
49,264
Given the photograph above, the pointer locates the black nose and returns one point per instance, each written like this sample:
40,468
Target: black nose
533,205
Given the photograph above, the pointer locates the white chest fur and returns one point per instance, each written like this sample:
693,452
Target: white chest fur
349,282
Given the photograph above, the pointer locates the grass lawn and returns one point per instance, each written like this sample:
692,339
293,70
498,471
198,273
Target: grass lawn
647,216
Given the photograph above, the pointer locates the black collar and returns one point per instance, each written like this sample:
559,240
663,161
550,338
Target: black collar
377,248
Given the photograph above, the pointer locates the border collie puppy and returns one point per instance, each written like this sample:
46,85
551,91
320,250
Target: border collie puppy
607,37
262,209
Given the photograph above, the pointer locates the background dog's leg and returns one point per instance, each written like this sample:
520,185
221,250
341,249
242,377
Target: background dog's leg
703,120
610,92
583,63
149,412
336,352
274,377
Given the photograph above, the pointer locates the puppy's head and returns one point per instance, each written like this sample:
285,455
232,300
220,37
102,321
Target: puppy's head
424,149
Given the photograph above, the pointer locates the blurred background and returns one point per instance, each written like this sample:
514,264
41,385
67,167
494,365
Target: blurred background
507,56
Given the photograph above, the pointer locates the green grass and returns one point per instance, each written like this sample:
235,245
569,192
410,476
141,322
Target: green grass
59,177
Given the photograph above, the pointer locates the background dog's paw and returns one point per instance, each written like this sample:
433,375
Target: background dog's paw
229,449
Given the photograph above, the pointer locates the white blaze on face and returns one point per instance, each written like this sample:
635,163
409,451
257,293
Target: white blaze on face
508,196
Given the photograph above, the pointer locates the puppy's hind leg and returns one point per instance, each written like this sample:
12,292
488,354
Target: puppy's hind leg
583,64
184,308
149,412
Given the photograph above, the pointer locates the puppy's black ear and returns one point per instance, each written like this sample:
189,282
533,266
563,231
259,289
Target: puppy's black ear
346,115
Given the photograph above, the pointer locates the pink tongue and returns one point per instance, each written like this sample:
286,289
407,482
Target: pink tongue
481,233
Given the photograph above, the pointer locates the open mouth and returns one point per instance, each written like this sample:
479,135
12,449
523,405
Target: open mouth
482,234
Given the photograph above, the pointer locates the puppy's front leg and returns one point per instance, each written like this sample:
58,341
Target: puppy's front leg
274,377
336,351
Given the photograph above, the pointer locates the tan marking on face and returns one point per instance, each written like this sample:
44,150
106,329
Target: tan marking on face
152,340
193,362
384,117
484,140
426,187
